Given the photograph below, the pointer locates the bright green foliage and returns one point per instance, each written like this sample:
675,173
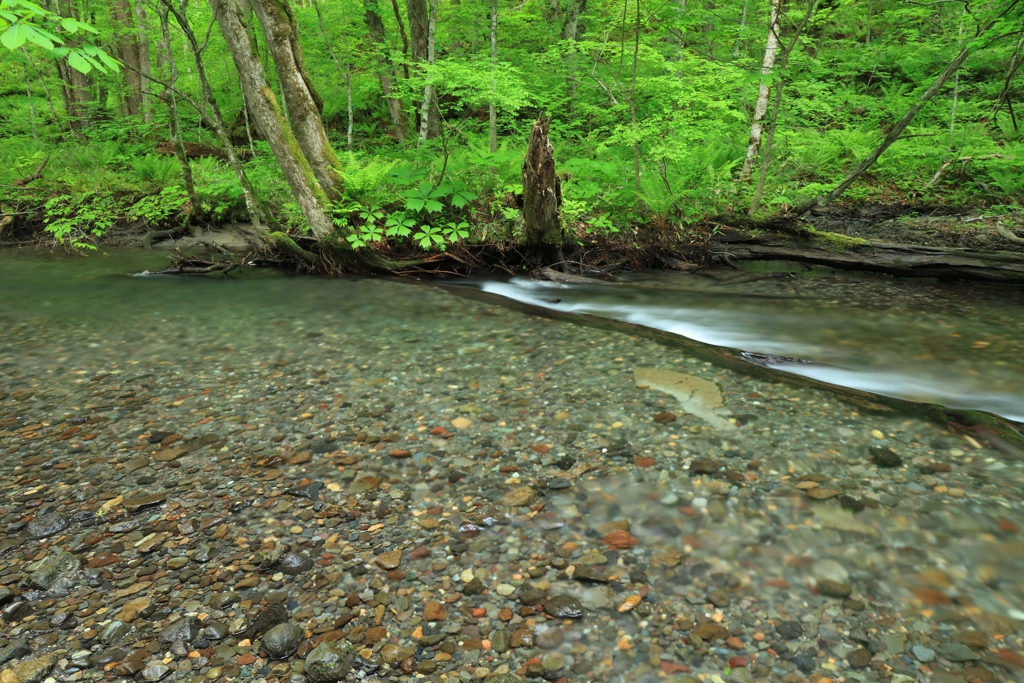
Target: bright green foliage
651,115
26,23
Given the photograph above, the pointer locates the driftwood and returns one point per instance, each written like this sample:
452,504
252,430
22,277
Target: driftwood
895,259
1007,234
35,176
5,223
962,160
195,150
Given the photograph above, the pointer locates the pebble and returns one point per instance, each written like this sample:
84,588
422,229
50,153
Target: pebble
282,640
329,662
923,654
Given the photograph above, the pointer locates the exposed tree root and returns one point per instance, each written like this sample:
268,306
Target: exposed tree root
1007,234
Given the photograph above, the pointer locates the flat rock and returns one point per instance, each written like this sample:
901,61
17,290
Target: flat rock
834,589
390,559
57,573
184,630
563,607
518,497
139,503
294,563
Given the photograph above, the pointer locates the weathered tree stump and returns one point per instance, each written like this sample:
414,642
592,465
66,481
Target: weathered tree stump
542,199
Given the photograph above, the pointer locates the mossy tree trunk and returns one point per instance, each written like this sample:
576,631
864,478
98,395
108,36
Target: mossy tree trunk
375,26
304,104
542,199
232,16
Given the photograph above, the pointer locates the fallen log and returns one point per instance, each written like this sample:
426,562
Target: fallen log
905,260
195,150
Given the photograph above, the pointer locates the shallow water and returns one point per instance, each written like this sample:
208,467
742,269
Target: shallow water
956,345
507,453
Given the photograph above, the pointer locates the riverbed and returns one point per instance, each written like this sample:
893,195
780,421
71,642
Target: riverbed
242,478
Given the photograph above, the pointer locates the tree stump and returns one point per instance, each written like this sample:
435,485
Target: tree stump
542,199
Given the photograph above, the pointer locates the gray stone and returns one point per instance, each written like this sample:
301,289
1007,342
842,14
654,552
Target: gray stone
833,589
16,649
563,607
57,573
740,675
47,525
294,563
282,640
155,672
222,600
329,662
957,652
6,595
214,631
895,643
923,654
184,630
114,632
790,629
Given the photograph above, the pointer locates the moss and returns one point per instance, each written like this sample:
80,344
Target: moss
286,244
833,241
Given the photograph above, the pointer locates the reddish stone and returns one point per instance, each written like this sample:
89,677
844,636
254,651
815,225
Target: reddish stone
508,469
400,454
419,553
352,600
437,431
1007,526
777,583
930,596
734,643
246,659
102,560
738,662
673,668
621,540
644,462
395,575
374,634
541,448
478,612
1011,657
62,465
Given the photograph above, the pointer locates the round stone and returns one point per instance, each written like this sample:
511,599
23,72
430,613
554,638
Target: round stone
282,640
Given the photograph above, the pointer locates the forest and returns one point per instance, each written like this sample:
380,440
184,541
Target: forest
374,129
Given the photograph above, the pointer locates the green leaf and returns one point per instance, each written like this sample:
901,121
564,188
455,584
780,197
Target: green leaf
433,206
78,62
14,37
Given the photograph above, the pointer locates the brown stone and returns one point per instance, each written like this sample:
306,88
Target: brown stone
821,493
434,611
390,559
707,630
168,454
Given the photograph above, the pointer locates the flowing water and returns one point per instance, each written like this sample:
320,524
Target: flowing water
478,482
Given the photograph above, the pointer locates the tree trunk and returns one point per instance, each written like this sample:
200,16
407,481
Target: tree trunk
542,199
76,89
892,137
142,28
231,16
494,58
174,123
375,26
762,94
127,39
421,46
346,74
570,29
211,114
301,99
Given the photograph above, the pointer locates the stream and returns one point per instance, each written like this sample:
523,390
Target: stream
267,477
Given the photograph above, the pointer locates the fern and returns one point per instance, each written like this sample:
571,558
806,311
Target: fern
362,180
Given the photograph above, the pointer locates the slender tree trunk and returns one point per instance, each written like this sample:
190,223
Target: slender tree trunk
31,104
174,123
774,120
127,39
301,99
346,74
46,89
430,115
494,59
420,45
375,26
761,107
76,87
231,16
542,199
571,32
1011,70
632,108
211,114
145,58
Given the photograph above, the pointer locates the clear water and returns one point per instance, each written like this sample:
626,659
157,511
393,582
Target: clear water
956,345
930,548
